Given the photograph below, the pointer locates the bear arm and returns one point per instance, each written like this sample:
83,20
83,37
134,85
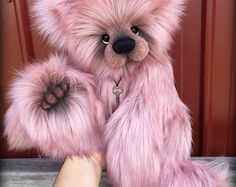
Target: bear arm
72,126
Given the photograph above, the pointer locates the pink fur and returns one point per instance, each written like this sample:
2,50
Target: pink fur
195,173
56,133
148,136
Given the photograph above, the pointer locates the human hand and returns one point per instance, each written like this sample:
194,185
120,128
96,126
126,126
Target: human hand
81,171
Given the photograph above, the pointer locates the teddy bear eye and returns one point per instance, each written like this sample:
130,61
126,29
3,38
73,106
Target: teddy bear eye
105,39
135,30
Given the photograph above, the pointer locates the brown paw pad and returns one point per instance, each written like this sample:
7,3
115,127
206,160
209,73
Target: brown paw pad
54,95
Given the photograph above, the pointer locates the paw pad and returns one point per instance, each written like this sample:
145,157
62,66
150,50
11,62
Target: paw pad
54,95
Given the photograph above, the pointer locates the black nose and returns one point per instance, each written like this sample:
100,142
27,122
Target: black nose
123,45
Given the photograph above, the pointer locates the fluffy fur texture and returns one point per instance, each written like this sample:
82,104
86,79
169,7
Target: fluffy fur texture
65,130
148,136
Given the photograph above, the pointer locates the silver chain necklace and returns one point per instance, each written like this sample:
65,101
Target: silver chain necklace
117,90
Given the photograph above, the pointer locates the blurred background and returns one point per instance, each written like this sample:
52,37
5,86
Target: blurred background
204,65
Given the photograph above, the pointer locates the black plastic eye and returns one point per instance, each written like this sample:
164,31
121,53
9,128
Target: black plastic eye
135,30
105,39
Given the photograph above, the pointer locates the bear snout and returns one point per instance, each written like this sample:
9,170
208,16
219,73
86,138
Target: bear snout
124,45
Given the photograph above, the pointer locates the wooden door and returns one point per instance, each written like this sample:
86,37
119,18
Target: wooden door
203,63
15,50
219,124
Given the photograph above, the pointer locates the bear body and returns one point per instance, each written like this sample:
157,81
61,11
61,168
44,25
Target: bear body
111,90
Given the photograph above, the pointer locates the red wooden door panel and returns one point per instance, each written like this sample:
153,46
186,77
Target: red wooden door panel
219,127
187,55
13,54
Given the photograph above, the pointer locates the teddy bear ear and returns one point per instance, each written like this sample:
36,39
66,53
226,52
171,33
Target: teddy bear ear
169,13
50,16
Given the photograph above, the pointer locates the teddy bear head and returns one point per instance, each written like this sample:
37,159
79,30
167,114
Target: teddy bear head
109,33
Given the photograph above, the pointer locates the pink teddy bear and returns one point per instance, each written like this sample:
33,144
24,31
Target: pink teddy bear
110,89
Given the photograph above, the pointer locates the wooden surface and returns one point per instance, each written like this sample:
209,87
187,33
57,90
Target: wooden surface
32,173
42,172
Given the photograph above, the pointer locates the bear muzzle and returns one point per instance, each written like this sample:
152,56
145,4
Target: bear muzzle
124,45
